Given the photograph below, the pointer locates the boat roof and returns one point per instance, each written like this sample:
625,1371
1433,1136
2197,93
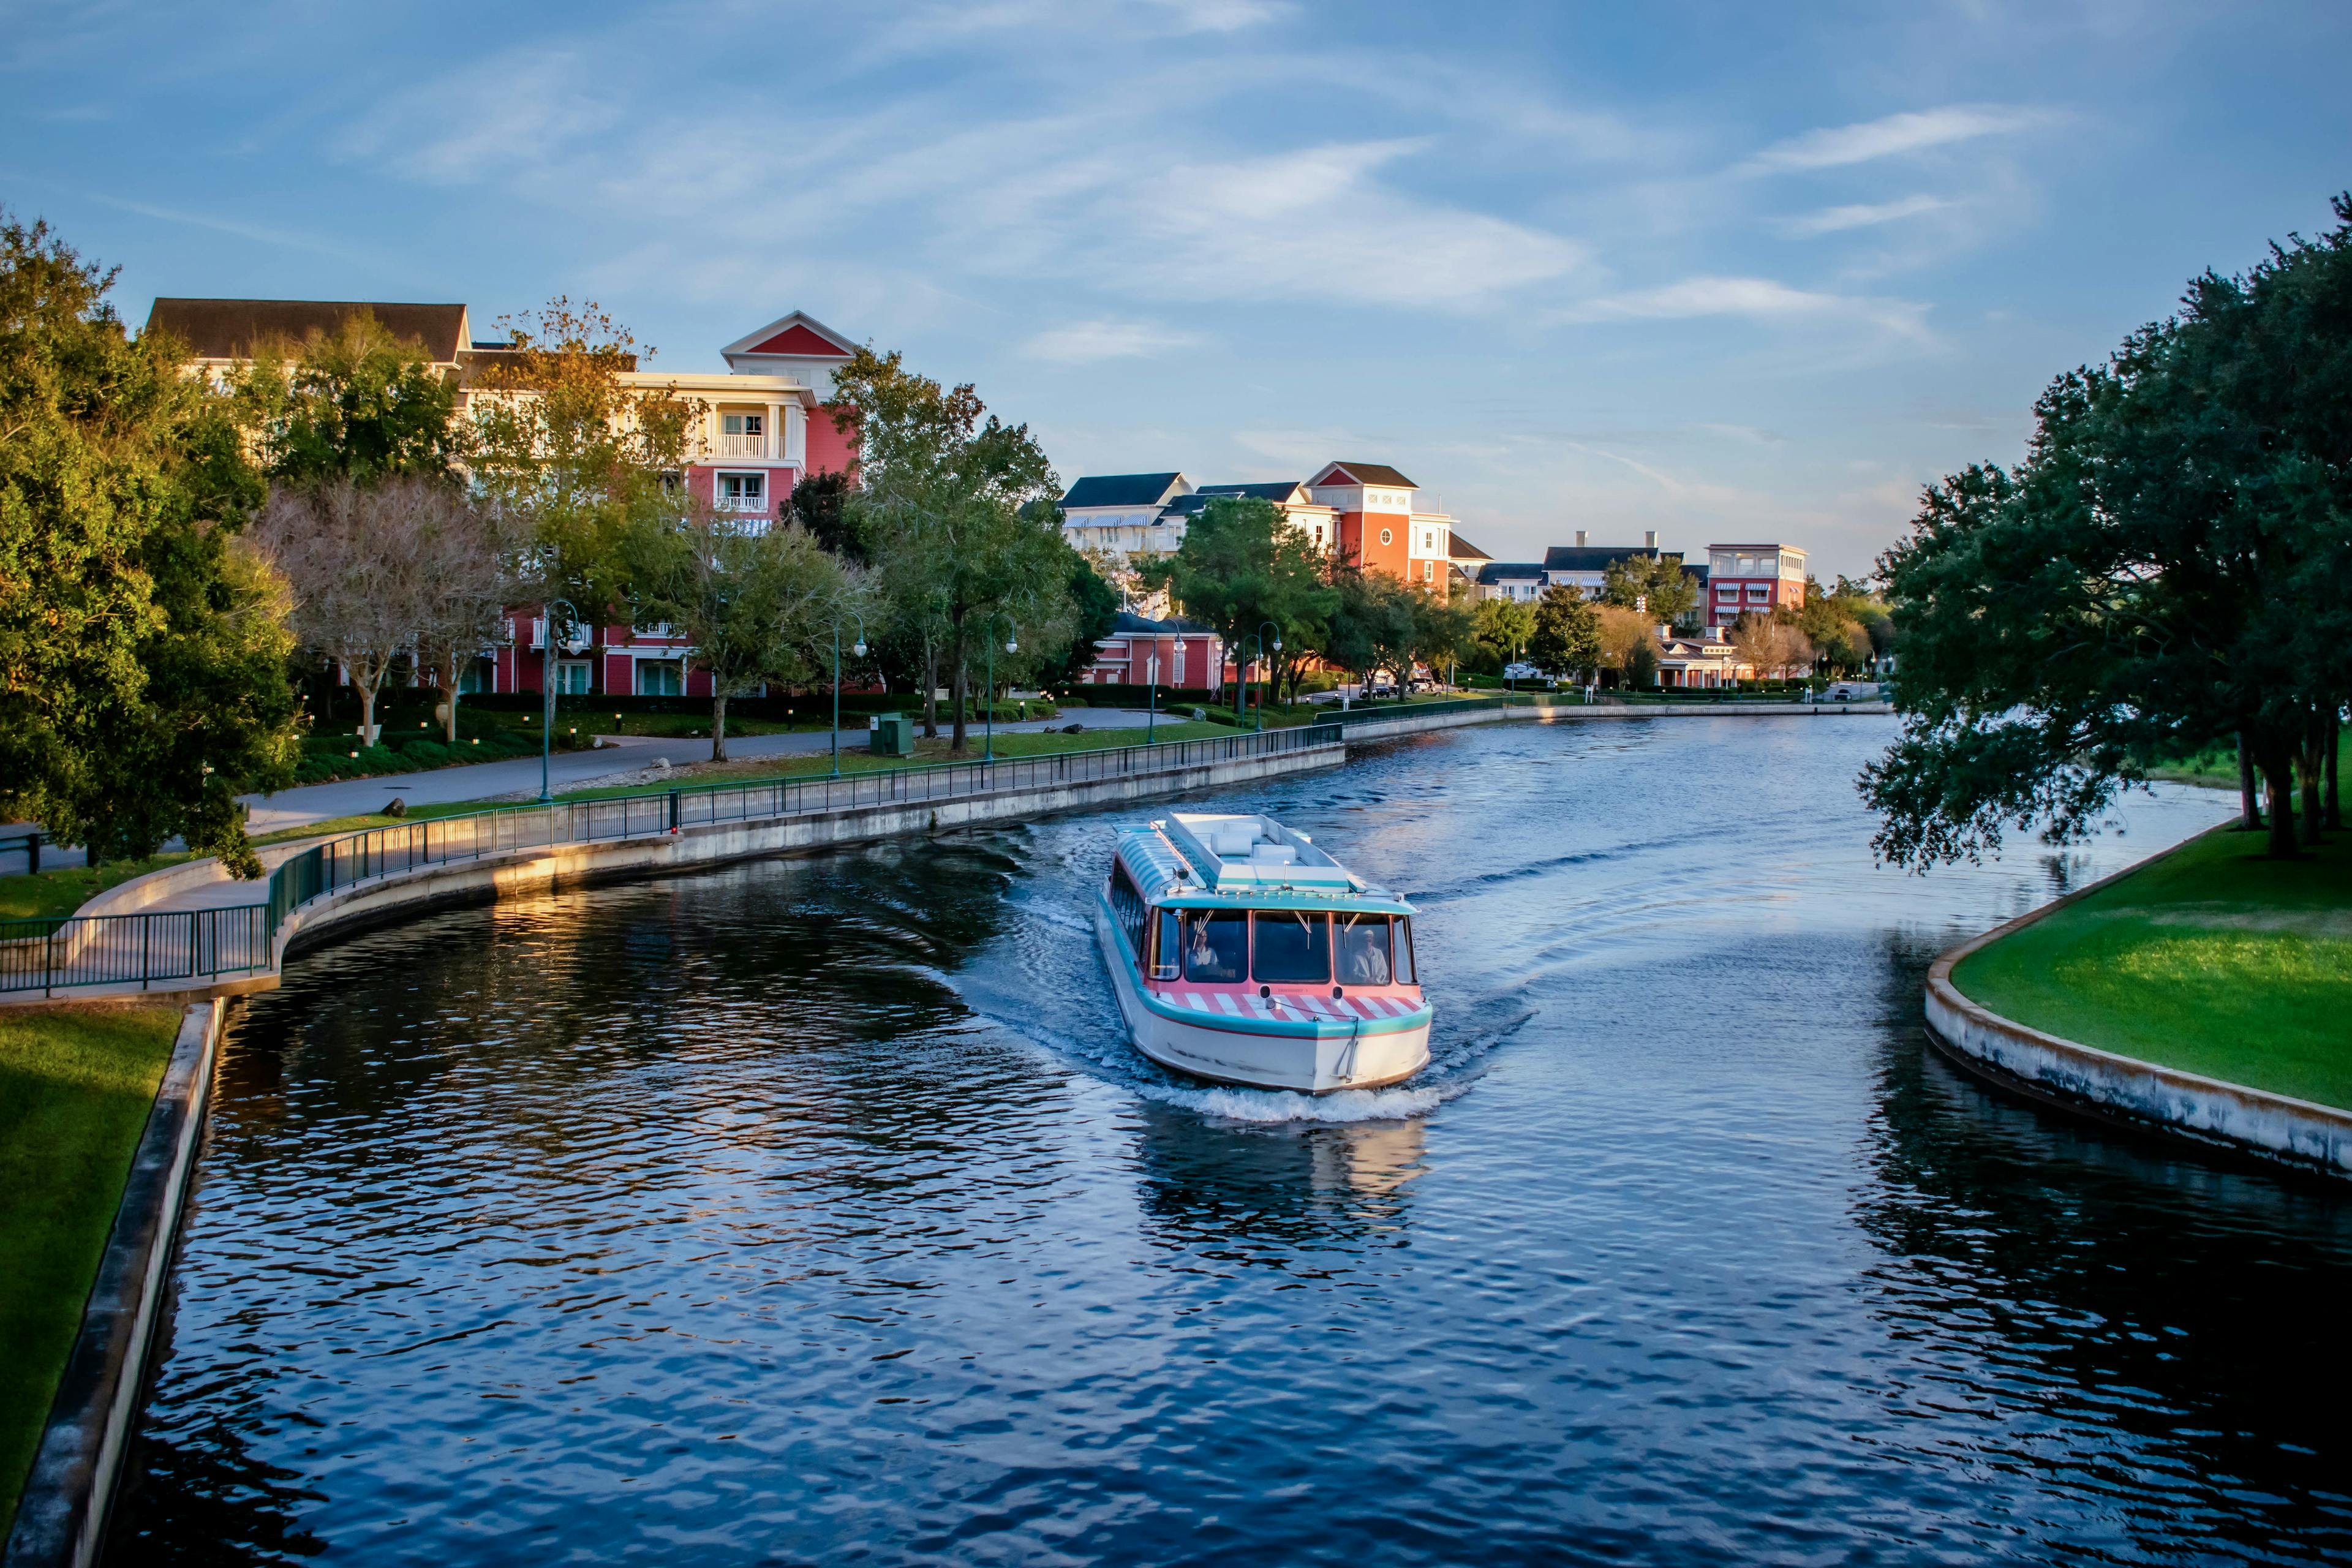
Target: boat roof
1198,860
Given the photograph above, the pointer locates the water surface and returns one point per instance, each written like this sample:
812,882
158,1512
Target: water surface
814,1211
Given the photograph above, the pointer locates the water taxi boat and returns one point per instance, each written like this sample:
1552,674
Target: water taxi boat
1244,954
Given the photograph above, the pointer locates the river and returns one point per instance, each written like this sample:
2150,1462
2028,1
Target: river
813,1211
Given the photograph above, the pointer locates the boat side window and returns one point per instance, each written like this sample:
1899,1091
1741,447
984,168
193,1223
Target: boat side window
1364,950
1293,947
1127,907
1404,951
1167,947
1216,944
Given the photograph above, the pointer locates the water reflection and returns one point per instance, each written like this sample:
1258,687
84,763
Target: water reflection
1262,1195
2114,1281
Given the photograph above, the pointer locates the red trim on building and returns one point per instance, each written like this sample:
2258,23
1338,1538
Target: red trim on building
802,342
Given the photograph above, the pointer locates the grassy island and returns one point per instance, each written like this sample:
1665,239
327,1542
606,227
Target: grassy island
76,1086
2210,958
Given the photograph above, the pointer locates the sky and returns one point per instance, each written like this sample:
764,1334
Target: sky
1728,272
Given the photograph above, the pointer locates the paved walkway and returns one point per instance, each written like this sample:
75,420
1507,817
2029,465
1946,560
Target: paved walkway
307,804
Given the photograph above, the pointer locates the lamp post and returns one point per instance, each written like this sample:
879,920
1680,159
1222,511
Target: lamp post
1259,638
988,753
547,683
857,649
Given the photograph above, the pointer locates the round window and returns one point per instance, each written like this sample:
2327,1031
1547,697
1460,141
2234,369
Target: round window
1388,536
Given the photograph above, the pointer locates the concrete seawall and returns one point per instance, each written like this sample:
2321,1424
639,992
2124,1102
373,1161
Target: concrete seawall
2274,1128
61,1518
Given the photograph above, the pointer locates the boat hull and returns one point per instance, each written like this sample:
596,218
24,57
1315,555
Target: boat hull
1320,1058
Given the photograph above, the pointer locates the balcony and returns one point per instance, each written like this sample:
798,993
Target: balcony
735,445
755,506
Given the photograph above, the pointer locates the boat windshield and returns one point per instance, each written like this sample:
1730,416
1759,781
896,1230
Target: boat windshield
1294,948
1366,955
1216,944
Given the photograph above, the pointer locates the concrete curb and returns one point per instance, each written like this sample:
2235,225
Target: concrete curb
61,1519
2274,1128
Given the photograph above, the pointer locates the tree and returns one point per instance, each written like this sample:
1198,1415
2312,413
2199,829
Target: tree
2161,573
1095,616
1567,637
821,504
368,568
1503,627
756,604
1441,630
1622,631
1241,566
560,442
1375,627
142,647
356,404
943,506
1655,584
475,560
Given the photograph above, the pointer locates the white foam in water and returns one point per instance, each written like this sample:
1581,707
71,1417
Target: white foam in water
1273,1105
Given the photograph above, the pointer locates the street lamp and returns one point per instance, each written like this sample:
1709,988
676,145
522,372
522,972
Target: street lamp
547,683
857,649
1259,638
1010,645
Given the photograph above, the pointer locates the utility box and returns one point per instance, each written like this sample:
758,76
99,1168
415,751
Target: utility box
891,735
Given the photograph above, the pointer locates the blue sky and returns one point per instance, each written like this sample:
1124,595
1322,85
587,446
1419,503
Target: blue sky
1719,271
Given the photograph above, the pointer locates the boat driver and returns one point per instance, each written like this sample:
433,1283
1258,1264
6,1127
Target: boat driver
1364,951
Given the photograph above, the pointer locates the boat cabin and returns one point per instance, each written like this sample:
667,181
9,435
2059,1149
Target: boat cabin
1242,903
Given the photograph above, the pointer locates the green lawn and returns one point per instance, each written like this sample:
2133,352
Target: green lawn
66,888
75,1088
2217,766
2210,958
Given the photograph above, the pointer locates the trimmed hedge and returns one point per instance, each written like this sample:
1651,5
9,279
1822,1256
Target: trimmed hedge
1115,694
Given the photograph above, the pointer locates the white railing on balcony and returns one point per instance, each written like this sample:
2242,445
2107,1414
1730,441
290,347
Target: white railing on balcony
756,505
742,446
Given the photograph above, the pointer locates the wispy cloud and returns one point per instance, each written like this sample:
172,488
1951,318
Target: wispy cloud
1091,342
259,233
1841,145
1833,220
1756,299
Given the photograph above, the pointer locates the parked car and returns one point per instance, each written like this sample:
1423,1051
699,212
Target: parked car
1850,691
1521,672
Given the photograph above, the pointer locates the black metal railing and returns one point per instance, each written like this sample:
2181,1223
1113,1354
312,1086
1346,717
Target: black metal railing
230,942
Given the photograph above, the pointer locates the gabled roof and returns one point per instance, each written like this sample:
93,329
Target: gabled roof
1278,491
797,336
1460,549
1594,557
1510,572
228,329
1345,473
1121,489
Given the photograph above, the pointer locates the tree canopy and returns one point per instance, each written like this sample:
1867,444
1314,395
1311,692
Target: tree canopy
357,403
1242,566
2162,573
142,647
955,508
1657,585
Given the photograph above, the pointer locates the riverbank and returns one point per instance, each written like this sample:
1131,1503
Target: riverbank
76,1087
2210,960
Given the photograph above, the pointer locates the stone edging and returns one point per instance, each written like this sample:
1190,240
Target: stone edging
61,1519
2272,1127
